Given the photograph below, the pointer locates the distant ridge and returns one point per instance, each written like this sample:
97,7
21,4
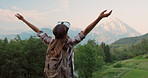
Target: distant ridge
109,31
131,40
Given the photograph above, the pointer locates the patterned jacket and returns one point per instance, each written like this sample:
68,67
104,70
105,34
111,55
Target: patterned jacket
65,66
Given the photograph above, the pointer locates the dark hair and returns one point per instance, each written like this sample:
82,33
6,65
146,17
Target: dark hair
60,31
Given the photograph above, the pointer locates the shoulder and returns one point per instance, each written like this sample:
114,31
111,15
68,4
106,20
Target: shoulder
76,39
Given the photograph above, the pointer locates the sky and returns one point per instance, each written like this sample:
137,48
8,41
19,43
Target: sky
80,13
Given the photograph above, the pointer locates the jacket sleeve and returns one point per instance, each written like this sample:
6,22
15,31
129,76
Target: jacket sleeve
77,39
44,37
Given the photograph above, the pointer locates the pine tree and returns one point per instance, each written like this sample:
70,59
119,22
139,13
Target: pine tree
106,51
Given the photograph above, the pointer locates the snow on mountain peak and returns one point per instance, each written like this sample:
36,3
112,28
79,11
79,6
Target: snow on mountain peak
114,25
112,29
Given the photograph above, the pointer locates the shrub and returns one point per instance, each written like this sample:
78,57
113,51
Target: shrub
118,65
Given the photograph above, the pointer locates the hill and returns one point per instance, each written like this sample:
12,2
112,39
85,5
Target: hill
131,68
131,40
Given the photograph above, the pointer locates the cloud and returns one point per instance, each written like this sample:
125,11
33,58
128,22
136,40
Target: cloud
63,5
8,14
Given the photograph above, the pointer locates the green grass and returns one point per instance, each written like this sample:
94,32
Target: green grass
141,57
132,68
109,73
136,74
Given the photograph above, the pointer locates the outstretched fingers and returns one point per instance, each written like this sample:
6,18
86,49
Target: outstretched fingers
104,11
107,14
110,12
19,16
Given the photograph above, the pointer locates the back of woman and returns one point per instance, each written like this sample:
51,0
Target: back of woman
56,66
59,55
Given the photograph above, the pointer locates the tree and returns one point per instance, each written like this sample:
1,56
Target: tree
87,59
106,51
22,58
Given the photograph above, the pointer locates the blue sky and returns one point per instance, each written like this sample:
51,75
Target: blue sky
80,13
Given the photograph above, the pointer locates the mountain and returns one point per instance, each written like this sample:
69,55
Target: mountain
24,35
112,30
8,31
109,31
8,36
131,40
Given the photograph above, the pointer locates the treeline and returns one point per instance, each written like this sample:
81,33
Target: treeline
122,52
25,58
22,58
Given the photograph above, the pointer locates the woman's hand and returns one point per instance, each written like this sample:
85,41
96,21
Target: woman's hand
94,23
20,17
103,14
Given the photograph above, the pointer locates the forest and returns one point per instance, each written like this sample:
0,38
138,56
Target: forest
25,58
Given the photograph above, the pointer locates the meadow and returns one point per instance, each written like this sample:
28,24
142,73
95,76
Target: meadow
132,68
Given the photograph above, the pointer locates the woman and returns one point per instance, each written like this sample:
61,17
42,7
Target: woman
59,55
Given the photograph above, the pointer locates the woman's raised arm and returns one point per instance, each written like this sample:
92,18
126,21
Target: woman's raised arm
94,23
20,17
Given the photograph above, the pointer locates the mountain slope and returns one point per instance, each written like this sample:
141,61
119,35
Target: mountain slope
131,40
112,30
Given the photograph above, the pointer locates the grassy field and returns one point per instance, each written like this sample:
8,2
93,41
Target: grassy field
131,68
136,74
